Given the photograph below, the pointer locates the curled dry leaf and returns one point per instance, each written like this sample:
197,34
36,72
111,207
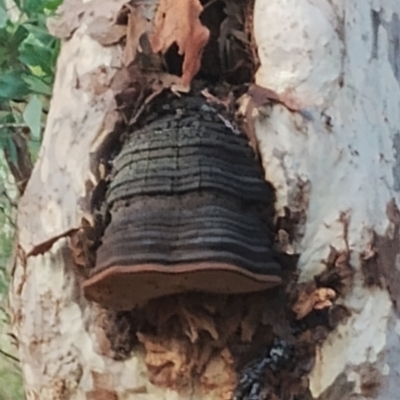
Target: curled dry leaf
103,394
97,16
168,361
177,21
339,273
369,253
44,247
319,299
106,31
76,243
196,322
219,376
251,317
137,26
260,96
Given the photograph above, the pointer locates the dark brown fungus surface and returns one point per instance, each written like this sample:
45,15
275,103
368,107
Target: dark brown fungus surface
190,211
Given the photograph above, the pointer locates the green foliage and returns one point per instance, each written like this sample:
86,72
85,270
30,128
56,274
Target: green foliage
28,55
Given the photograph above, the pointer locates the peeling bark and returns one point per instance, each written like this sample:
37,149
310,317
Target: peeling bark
333,153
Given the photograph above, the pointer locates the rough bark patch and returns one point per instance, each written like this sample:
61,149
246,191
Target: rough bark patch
381,266
392,29
369,377
197,338
341,389
102,387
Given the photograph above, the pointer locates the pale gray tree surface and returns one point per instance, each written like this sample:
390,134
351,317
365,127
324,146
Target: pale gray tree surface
331,150
10,374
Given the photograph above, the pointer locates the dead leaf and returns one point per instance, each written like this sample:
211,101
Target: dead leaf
203,356
100,380
339,274
213,100
369,253
137,26
106,32
284,242
252,317
196,322
95,15
102,387
261,96
319,299
168,360
177,21
220,376
68,19
230,319
76,245
48,244
101,394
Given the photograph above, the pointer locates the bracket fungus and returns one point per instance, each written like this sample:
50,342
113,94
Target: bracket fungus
190,211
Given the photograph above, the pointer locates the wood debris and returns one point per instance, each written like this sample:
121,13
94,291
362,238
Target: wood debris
318,299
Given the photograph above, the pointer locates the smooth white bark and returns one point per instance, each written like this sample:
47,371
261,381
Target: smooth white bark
336,64
336,156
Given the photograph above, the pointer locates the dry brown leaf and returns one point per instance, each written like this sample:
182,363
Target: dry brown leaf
106,32
319,299
168,361
226,102
101,394
196,322
219,376
76,246
202,356
177,21
261,96
137,26
339,273
102,387
48,244
100,380
230,319
252,317
96,16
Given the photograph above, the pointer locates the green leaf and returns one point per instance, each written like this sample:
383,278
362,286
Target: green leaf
36,55
3,286
9,147
3,17
37,85
32,116
32,7
52,5
12,86
19,35
40,33
34,148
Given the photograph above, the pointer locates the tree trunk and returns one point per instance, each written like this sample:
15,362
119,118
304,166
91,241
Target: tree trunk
334,163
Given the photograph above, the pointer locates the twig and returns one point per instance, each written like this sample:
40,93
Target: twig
10,356
15,125
146,101
9,199
210,3
8,217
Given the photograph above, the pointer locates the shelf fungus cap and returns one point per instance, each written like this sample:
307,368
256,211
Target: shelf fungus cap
190,211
